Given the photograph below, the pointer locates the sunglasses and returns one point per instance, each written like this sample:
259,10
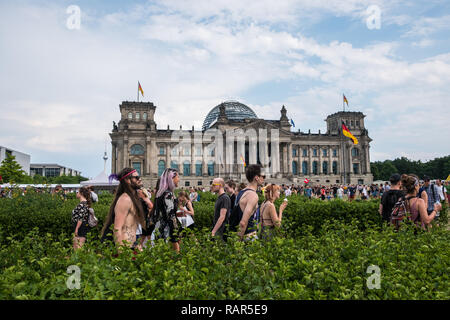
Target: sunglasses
263,176
137,177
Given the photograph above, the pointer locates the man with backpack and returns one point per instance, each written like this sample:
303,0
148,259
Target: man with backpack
430,194
391,197
243,218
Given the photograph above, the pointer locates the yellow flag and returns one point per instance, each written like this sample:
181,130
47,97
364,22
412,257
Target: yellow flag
448,178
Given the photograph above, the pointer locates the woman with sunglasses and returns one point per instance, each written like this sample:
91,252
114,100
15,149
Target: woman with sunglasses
166,205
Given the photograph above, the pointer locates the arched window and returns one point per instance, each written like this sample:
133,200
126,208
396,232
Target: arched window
138,116
130,115
137,150
294,167
325,167
186,168
355,152
315,167
335,169
210,168
174,165
325,151
144,116
198,168
305,167
161,167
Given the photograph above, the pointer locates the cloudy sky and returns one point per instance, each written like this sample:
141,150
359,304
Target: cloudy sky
61,87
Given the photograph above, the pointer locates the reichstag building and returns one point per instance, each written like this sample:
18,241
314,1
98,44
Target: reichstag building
323,158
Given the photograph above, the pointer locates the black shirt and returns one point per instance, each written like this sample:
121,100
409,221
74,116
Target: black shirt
223,201
389,200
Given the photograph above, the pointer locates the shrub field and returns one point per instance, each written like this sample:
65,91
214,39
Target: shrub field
323,252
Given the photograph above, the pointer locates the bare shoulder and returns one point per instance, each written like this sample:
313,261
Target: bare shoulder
124,200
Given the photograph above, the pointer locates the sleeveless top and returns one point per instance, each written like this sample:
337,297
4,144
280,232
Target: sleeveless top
251,225
414,210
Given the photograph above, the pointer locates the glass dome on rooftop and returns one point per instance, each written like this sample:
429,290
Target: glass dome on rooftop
234,111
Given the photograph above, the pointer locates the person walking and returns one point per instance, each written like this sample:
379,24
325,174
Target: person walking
269,218
391,197
166,208
222,209
80,217
415,205
126,211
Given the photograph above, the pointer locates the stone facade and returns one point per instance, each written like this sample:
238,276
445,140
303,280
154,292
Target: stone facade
323,158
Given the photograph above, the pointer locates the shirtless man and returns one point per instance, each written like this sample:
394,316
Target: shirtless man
248,202
126,211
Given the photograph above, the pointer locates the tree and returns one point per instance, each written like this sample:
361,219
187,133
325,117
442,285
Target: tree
11,171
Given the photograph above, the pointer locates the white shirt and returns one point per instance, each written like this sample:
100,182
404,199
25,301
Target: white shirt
288,192
94,196
441,192
340,191
139,230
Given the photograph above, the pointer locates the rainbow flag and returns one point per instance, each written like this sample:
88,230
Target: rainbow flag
347,133
243,160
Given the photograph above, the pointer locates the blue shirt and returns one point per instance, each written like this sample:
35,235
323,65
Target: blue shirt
432,200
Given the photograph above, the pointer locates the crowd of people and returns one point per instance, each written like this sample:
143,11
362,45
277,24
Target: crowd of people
138,221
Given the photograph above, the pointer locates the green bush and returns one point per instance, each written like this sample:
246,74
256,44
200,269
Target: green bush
330,265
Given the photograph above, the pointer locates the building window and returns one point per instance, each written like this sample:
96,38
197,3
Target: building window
294,167
144,116
137,166
325,151
187,150
335,167
315,167
210,168
137,150
161,167
130,115
174,151
198,168
199,182
294,152
52,172
187,184
198,151
325,167
162,151
356,168
351,123
305,167
305,152
357,123
355,152
186,168
138,116
174,165
334,152
315,152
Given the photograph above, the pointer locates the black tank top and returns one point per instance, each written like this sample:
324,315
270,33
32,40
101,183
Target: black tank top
251,225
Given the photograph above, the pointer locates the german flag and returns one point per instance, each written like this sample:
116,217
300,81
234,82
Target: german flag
347,133
345,99
140,89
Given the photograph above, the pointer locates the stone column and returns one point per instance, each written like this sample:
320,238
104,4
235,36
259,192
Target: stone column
367,159
113,159
300,160
310,171
153,158
192,157
289,157
285,158
320,160
330,160
168,151
125,153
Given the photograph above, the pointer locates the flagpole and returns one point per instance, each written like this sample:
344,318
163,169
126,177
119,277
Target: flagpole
138,93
